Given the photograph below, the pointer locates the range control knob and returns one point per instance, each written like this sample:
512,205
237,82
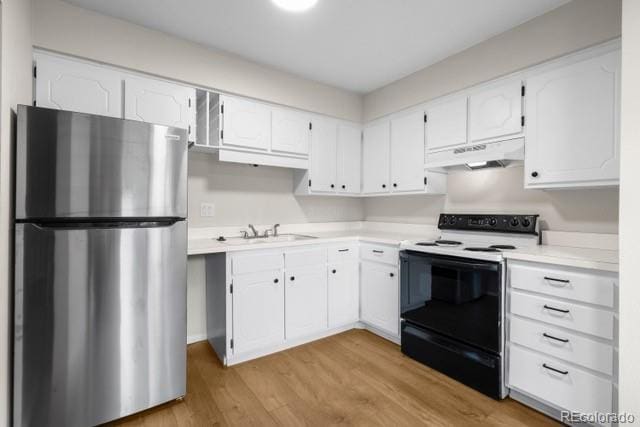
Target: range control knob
526,222
514,222
452,220
493,221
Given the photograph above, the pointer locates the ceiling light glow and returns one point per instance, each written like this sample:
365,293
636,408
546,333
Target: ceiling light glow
295,5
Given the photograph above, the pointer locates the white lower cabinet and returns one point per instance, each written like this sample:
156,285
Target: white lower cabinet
562,336
258,310
379,297
343,293
305,301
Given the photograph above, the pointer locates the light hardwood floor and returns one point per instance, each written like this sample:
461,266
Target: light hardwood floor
354,378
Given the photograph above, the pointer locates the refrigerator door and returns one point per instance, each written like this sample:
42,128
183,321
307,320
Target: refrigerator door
100,322
74,165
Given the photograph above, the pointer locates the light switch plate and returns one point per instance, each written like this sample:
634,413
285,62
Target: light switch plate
207,209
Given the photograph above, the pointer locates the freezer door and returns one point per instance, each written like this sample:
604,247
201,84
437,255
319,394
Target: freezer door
74,165
100,322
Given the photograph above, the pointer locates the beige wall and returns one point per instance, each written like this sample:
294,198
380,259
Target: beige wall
573,26
68,29
502,190
629,385
243,194
15,88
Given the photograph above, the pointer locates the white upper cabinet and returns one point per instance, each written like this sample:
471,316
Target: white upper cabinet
572,128
155,101
245,124
496,112
322,169
349,159
447,124
407,153
305,301
375,158
290,132
77,86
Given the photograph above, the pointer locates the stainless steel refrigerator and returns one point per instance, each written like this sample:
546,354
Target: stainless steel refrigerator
100,267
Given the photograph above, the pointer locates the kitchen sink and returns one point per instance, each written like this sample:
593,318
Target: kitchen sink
270,239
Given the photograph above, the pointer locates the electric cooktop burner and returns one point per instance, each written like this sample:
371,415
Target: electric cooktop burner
448,242
502,247
426,244
482,249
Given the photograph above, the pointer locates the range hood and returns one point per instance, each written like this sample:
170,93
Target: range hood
478,156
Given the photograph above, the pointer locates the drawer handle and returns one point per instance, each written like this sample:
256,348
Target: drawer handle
546,335
343,250
376,251
544,365
548,307
553,279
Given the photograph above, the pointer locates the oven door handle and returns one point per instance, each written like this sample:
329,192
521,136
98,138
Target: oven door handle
437,262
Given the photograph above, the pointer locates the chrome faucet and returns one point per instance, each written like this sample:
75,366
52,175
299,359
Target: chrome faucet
253,230
275,230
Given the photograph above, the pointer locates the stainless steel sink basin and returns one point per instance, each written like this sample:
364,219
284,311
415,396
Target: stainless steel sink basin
270,239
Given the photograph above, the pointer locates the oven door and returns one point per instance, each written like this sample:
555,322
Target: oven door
457,297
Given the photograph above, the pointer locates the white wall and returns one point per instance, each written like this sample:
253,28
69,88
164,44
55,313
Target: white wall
629,386
65,28
502,190
576,25
15,88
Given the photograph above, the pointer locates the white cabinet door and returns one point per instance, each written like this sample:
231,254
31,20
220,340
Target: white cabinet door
155,101
375,159
447,124
572,128
343,294
322,168
379,296
245,124
76,86
258,310
349,159
407,153
496,112
290,132
305,301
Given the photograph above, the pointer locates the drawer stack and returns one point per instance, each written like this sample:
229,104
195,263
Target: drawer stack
562,335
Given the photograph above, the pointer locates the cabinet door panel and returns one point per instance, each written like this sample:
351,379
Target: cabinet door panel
305,301
290,132
323,155
447,124
76,86
343,294
379,296
246,124
572,129
375,159
407,153
496,112
258,310
155,101
349,159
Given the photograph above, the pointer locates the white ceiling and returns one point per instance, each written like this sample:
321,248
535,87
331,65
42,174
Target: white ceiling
359,45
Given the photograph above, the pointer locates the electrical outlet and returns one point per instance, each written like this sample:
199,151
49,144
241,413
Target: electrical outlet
207,209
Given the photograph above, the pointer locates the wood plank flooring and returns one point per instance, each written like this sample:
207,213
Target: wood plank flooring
354,378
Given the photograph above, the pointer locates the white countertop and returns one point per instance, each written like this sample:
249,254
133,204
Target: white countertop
202,242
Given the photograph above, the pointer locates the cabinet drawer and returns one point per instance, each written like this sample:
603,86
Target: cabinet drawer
379,253
573,316
571,388
562,344
580,285
257,261
341,254
303,257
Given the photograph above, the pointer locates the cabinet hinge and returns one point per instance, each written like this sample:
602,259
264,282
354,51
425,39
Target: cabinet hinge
523,90
425,180
309,183
231,288
221,108
310,126
189,129
189,102
231,343
34,102
222,134
425,117
522,121
35,72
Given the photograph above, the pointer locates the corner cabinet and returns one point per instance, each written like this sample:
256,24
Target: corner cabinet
572,129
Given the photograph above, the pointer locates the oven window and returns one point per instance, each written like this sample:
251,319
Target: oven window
457,297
